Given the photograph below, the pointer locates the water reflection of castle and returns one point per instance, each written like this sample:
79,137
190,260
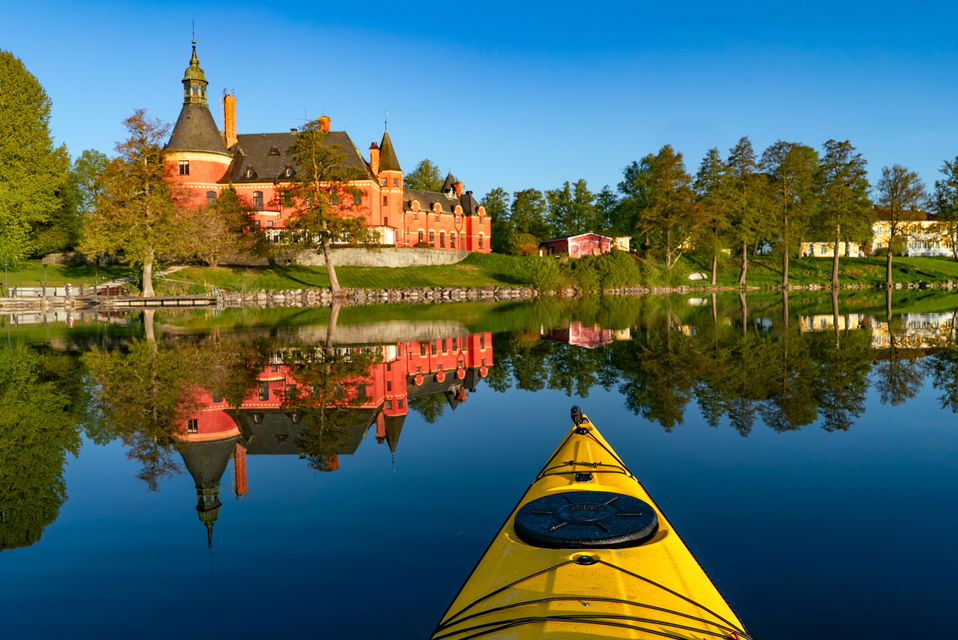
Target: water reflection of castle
214,432
911,330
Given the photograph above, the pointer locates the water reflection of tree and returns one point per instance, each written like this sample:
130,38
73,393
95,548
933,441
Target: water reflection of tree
943,367
40,401
144,390
898,373
325,399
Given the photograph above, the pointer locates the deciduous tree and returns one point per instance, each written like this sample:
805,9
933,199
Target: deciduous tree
791,168
900,194
426,176
141,209
32,171
571,208
322,197
748,200
712,187
945,202
667,217
844,205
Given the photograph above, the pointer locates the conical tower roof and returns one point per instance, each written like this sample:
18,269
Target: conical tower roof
387,155
195,129
393,431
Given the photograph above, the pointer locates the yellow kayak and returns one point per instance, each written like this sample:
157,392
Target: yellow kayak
587,554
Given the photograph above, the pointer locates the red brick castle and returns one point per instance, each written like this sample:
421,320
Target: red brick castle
257,165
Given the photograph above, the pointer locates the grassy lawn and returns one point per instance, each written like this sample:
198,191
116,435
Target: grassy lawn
475,271
767,270
30,274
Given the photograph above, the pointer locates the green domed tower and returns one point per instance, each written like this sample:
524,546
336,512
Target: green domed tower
194,81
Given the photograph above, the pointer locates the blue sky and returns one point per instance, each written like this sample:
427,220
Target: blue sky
521,94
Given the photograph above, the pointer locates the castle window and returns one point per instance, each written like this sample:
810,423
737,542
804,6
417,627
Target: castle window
480,240
385,201
210,198
382,182
385,221
184,167
442,238
400,404
258,200
432,237
437,216
270,224
357,198
422,349
192,425
389,404
288,173
263,391
452,240
250,172
421,236
395,182
415,215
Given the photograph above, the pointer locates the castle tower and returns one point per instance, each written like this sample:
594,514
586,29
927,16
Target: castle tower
389,174
196,146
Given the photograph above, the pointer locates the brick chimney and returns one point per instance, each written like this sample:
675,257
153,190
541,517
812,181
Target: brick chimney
324,123
240,488
229,119
457,186
374,158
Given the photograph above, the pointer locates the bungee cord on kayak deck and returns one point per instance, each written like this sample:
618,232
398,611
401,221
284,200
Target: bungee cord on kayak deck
601,619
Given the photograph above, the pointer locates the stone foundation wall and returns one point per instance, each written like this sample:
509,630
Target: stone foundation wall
411,295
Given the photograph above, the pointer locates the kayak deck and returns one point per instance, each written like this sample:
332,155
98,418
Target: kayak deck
578,578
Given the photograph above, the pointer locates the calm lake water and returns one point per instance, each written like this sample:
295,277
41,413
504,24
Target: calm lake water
284,474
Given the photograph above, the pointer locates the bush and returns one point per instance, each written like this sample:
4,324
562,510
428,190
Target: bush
545,274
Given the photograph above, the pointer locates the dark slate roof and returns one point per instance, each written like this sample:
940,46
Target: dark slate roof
267,153
277,434
470,206
387,155
206,461
393,431
427,198
195,131
448,184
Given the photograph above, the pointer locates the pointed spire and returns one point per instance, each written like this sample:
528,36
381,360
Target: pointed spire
387,155
194,81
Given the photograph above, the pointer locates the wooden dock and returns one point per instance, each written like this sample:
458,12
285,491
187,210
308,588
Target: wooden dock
158,302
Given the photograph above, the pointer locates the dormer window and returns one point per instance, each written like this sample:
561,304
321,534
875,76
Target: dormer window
273,151
288,173
249,173
184,167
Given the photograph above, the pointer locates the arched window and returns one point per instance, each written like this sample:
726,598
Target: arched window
452,239
258,200
250,172
210,198
289,172
432,237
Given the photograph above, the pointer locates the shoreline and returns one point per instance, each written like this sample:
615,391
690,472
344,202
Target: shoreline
406,295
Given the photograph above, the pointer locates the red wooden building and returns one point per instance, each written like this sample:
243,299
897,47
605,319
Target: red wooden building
207,160
584,244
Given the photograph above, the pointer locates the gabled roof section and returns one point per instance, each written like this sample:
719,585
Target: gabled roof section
195,130
268,155
387,155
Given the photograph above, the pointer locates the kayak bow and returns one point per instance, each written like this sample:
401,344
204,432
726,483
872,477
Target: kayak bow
586,553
